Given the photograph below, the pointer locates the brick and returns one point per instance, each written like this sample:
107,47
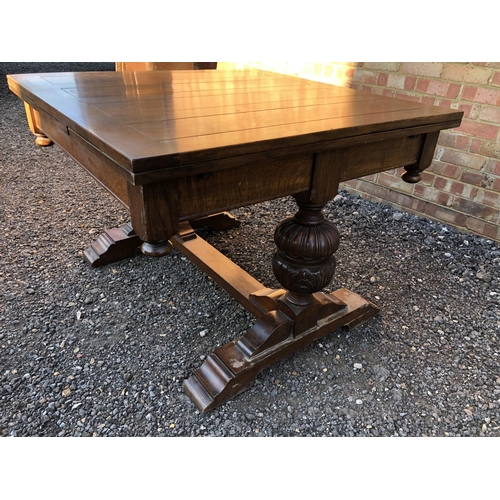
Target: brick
483,95
443,103
482,228
444,214
396,81
454,140
493,167
352,183
467,74
487,197
392,182
437,87
366,77
410,82
463,159
445,169
490,114
428,100
348,73
472,178
469,191
475,209
369,188
328,70
382,79
418,205
471,111
481,130
366,88
395,172
441,183
318,69
399,199
427,178
430,194
382,66
462,186
455,188
490,149
432,70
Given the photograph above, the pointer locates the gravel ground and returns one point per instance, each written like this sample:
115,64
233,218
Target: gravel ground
104,352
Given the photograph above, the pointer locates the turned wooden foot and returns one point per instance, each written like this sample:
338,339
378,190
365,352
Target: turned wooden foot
159,249
42,140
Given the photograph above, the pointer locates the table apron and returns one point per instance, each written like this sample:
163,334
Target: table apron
202,193
365,159
102,168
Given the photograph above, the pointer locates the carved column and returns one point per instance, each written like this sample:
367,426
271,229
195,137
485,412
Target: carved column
304,262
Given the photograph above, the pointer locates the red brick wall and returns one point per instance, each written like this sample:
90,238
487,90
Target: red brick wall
462,186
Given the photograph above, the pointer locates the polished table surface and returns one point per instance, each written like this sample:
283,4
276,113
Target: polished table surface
177,148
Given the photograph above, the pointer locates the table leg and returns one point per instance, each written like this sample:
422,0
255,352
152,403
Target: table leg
33,123
121,243
288,319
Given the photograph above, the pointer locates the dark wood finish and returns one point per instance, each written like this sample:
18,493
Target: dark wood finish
121,243
32,114
177,146
413,171
112,245
232,368
223,271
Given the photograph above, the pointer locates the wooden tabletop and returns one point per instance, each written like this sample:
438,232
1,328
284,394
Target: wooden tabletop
148,121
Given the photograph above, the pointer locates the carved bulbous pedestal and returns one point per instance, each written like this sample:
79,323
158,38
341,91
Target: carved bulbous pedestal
304,262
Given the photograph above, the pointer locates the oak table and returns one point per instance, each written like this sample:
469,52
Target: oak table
180,148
